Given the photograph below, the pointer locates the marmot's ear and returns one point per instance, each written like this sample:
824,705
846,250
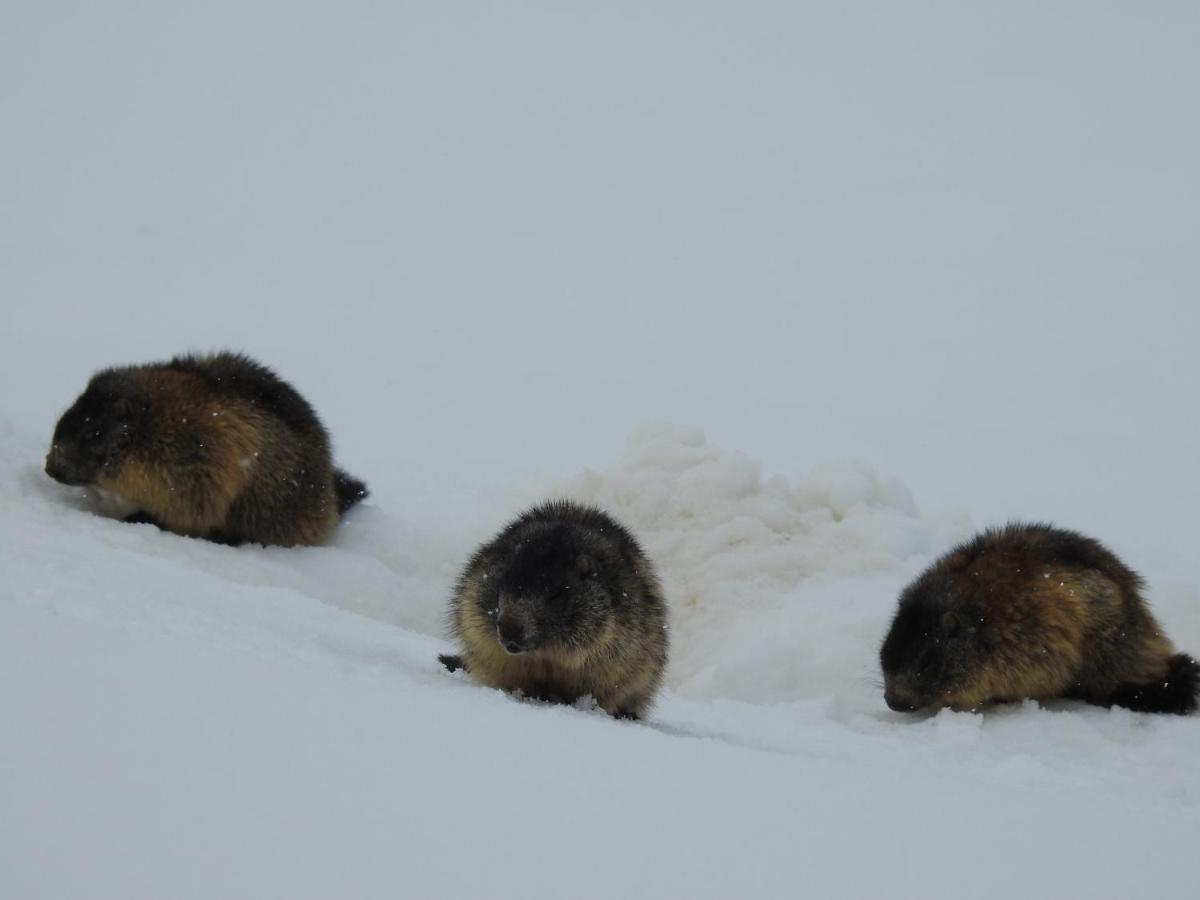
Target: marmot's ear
585,565
951,623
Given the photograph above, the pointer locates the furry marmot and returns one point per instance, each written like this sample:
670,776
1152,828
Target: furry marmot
560,604
215,446
1032,611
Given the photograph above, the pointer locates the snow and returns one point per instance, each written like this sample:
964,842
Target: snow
901,273
199,720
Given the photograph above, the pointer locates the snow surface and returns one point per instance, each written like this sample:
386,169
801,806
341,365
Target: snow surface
498,245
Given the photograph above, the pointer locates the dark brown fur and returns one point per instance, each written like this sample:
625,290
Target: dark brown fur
215,446
562,604
1032,611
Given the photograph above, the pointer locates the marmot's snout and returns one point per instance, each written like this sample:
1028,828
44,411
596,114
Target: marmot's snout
60,468
516,630
901,697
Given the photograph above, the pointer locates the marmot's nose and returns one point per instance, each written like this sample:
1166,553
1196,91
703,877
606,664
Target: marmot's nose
512,636
56,468
899,699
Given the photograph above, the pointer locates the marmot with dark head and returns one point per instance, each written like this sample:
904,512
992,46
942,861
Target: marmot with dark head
562,604
216,446
1031,611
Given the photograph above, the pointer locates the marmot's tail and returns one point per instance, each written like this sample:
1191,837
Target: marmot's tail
1175,693
349,490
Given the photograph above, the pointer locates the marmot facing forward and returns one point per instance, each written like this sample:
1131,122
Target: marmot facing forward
213,446
1032,611
561,604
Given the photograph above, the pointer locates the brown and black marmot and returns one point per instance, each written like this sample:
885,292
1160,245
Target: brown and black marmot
216,446
562,604
1032,611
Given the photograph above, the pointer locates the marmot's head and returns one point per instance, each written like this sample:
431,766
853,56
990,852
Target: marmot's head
92,435
934,647
554,586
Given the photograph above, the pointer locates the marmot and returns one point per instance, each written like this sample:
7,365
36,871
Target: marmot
1032,611
215,446
560,604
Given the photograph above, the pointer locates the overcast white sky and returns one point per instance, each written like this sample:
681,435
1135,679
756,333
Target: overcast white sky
958,242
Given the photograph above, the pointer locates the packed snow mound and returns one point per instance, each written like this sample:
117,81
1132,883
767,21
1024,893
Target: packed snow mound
748,563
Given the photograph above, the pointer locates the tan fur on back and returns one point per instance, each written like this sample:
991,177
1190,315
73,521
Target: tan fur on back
190,499
1069,611
205,453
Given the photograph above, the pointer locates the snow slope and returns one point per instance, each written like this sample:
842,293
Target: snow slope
866,248
197,720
